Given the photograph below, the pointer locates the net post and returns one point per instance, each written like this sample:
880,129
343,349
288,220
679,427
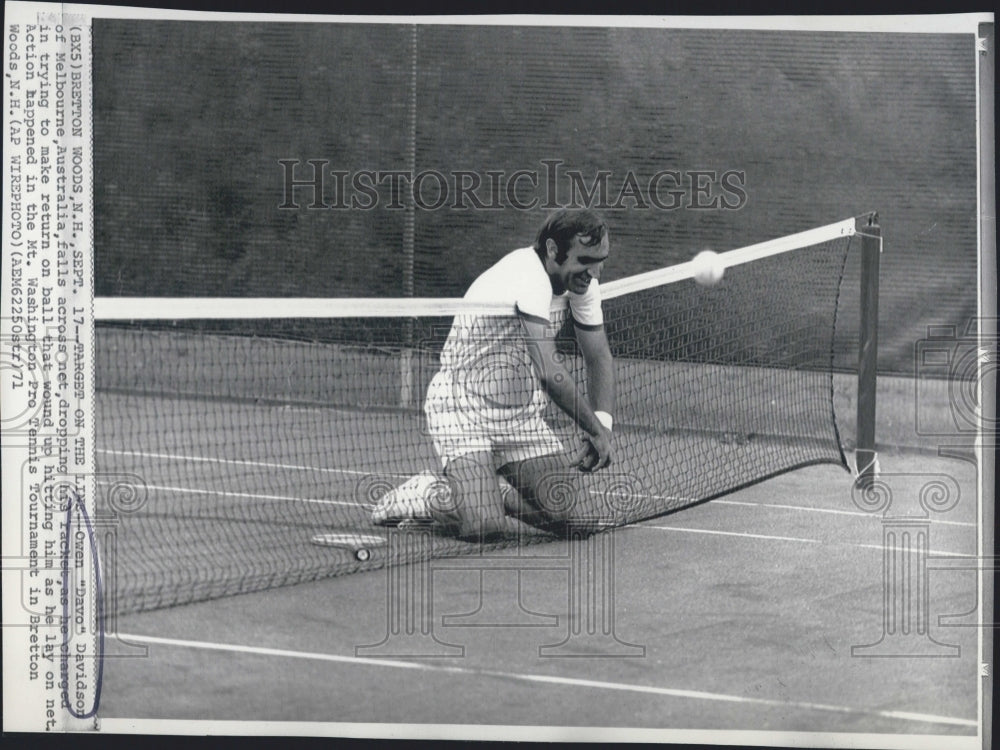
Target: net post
866,459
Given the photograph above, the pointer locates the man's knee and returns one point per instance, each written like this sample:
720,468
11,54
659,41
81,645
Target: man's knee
471,509
567,505
560,495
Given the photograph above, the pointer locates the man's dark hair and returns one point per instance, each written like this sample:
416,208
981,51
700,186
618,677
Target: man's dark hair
565,224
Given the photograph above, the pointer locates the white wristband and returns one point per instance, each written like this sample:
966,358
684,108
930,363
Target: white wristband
605,419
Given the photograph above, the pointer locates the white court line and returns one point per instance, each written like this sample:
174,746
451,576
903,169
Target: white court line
770,537
783,506
858,513
355,472
244,462
733,533
241,495
746,535
551,680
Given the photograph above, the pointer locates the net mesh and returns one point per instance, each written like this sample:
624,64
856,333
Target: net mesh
224,445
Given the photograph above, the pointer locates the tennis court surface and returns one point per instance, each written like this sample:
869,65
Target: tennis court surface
739,614
747,585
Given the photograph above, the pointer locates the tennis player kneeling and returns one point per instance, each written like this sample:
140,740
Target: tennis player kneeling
484,407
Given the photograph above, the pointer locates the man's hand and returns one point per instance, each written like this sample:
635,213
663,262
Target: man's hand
596,451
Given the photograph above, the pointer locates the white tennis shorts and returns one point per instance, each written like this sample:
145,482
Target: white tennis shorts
459,423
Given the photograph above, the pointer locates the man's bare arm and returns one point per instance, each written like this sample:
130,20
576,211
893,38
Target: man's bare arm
559,384
600,367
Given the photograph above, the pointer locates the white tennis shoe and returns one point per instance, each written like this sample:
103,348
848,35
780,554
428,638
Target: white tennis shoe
410,502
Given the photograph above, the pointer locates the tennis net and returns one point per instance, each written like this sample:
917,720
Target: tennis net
231,431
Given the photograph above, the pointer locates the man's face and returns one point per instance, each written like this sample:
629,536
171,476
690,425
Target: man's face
582,264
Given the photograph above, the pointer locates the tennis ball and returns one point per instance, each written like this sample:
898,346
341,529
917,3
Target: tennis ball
708,268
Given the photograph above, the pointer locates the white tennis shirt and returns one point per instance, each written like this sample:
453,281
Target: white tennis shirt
486,354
